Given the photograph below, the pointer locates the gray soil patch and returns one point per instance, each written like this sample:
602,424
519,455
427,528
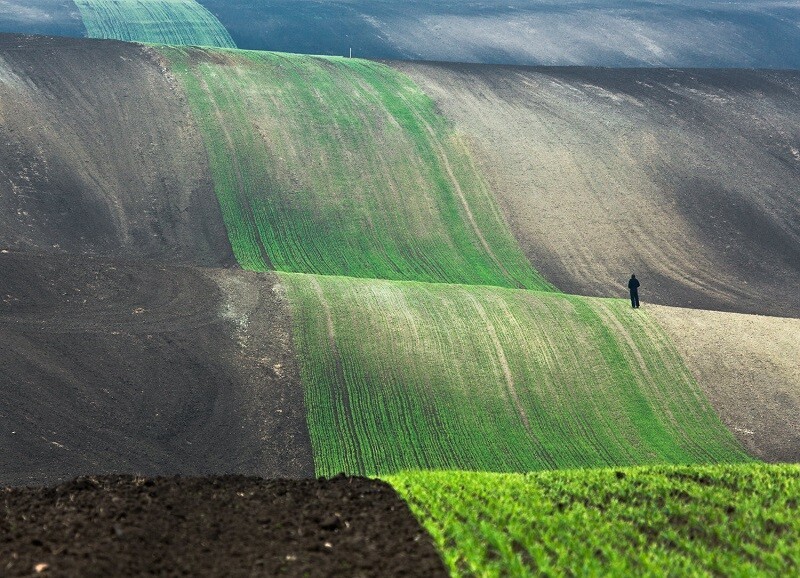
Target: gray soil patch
749,368
687,178
99,154
123,367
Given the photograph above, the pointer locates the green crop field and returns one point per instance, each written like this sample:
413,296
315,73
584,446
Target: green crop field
731,520
342,166
158,21
405,375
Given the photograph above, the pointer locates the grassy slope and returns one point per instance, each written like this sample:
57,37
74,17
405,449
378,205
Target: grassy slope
414,375
159,21
343,167
736,520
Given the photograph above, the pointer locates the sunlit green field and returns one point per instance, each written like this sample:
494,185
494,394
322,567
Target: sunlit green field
731,520
404,375
158,21
343,167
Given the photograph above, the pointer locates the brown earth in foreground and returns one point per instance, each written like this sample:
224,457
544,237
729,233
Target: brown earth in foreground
110,366
687,178
749,368
226,526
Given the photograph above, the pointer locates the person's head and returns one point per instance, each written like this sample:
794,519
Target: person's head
633,276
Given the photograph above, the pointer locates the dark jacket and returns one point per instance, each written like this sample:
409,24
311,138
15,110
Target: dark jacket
633,284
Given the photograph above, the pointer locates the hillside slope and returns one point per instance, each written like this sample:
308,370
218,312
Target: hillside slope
749,368
548,32
687,178
484,378
105,155
343,167
99,154
113,366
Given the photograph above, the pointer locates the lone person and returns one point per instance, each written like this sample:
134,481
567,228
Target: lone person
633,285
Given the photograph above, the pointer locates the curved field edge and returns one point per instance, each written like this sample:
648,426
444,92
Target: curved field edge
407,375
158,21
342,166
736,520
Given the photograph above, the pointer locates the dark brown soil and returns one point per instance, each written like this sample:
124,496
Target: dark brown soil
109,366
220,526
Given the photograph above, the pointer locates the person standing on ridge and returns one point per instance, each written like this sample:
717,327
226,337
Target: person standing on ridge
633,285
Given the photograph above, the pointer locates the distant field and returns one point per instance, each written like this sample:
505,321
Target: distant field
411,375
343,167
158,21
727,520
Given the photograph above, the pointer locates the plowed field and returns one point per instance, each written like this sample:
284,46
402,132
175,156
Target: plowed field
110,366
100,155
213,526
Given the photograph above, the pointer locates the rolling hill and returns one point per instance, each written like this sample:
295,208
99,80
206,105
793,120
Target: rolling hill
685,177
217,261
401,199
146,183
161,21
92,166
479,378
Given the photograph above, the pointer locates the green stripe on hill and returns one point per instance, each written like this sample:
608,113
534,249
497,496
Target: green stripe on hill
157,21
731,520
405,375
341,166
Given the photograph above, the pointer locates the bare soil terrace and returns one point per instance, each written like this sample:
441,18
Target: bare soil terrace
99,154
110,366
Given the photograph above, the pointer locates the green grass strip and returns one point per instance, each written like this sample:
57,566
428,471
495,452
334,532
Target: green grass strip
408,375
723,520
159,21
341,166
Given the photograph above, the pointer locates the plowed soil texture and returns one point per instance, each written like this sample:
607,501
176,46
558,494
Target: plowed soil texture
110,367
214,526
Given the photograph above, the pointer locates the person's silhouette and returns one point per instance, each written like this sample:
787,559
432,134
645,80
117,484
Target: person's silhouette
633,285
